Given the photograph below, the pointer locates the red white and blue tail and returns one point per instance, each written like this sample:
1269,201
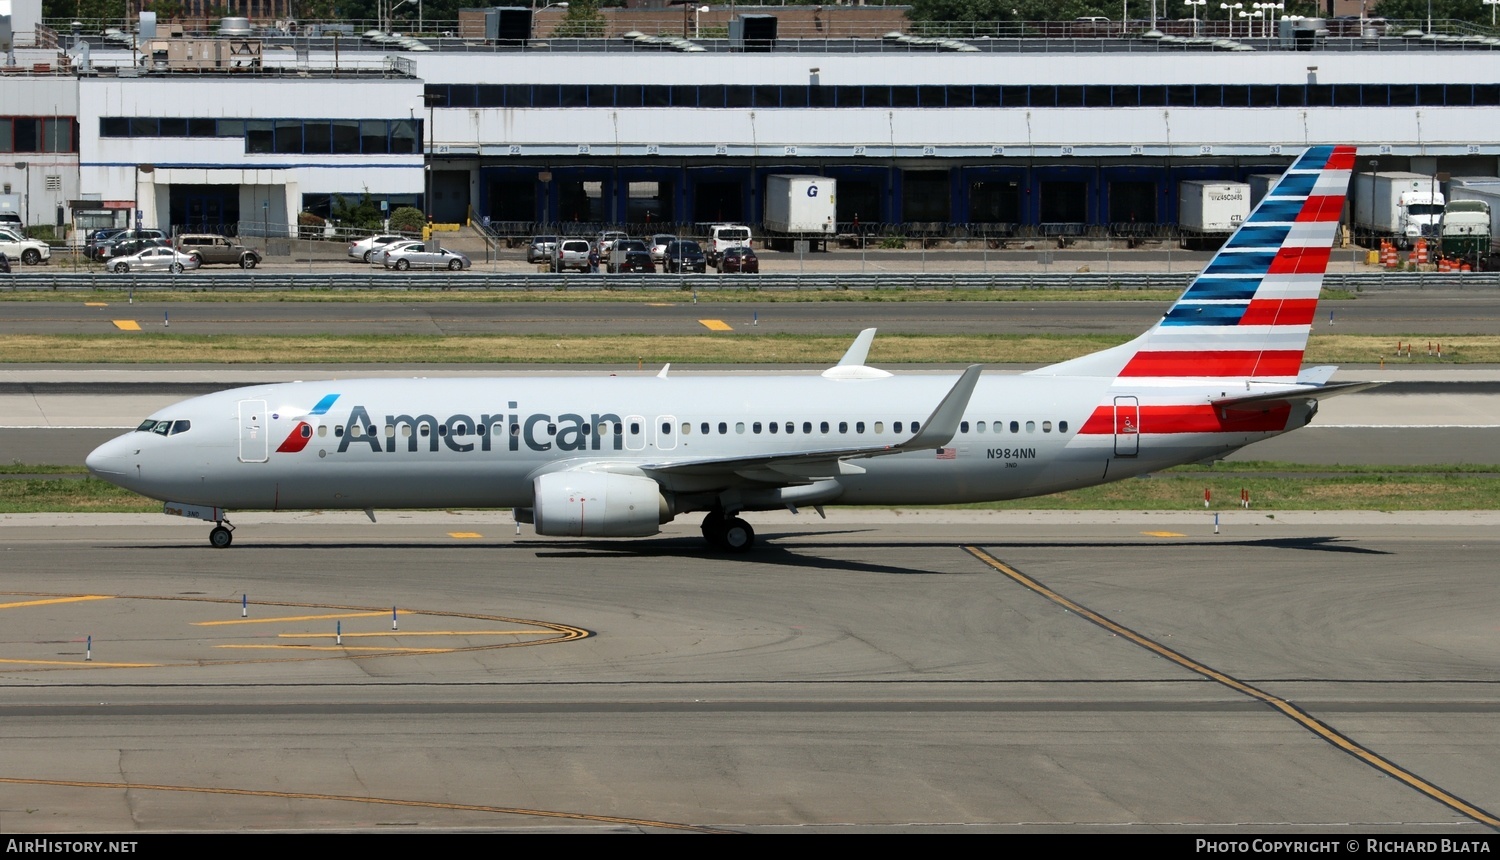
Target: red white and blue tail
1247,316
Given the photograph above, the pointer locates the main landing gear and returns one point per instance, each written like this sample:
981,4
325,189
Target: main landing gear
222,535
727,533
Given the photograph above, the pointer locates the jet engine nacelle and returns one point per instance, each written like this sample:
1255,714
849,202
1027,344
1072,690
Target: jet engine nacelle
598,504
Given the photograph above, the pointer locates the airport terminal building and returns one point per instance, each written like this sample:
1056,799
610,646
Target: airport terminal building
985,136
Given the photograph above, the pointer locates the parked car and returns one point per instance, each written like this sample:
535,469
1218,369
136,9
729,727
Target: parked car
127,247
28,251
96,240
659,243
423,255
740,260
605,241
107,249
541,249
364,249
619,256
684,255
213,249
157,258
571,254
632,259
378,256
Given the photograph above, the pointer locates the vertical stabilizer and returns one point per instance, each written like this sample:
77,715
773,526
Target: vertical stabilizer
1248,314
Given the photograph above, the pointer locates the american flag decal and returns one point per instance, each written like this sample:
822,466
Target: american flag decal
947,453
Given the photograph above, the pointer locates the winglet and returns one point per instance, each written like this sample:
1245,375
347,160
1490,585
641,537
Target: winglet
858,350
664,368
942,425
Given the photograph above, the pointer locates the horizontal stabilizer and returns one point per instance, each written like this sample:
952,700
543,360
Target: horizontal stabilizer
1286,395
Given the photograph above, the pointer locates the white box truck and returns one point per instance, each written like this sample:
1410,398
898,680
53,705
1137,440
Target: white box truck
1395,205
1468,231
800,207
1208,210
1482,188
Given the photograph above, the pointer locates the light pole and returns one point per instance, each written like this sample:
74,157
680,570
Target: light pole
432,100
1270,10
1492,4
1249,28
1194,4
1230,9
701,9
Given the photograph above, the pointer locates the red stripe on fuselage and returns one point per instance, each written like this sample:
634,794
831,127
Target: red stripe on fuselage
1280,312
1208,363
296,441
1197,418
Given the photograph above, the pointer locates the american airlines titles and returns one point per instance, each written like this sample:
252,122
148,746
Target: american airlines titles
462,433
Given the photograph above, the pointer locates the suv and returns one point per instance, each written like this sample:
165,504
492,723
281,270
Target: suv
683,255
722,237
18,247
630,255
210,248
571,254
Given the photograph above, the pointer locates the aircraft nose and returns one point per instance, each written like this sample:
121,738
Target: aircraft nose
112,458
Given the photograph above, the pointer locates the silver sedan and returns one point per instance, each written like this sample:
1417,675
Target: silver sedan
159,259
419,256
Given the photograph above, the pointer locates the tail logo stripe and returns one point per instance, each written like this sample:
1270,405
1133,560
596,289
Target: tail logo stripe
1251,310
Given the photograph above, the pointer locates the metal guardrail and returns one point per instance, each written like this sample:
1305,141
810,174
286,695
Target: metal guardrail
268,282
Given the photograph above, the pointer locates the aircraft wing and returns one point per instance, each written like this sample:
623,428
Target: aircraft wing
784,467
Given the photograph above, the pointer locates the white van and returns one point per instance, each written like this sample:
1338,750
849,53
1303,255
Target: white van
722,237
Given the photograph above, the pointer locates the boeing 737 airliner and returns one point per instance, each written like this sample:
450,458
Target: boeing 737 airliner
608,456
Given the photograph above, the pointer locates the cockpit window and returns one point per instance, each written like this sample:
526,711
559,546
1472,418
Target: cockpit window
164,428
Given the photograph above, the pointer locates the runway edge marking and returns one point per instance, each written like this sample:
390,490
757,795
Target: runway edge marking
1291,711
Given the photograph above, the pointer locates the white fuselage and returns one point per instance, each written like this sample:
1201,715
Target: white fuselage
448,443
